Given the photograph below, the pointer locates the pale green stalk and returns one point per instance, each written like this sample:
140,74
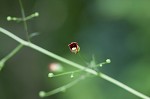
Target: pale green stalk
61,74
61,89
24,21
127,88
11,54
48,53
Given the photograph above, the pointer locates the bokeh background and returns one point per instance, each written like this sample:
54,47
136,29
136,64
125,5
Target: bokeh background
115,29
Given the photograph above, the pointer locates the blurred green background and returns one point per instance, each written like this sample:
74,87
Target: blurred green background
115,29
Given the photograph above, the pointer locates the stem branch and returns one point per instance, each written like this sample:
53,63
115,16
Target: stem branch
62,88
12,53
88,70
24,20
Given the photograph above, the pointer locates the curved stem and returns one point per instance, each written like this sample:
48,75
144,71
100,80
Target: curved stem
12,53
88,70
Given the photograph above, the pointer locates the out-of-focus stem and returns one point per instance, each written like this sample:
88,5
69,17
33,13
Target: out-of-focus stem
12,53
88,70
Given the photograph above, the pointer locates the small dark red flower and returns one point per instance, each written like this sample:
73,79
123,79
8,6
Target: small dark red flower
74,47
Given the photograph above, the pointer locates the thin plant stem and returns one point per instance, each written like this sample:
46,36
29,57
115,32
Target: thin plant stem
125,87
9,18
83,59
2,62
88,70
11,54
65,73
31,16
24,20
61,89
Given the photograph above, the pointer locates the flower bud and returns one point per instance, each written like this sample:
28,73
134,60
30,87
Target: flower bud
74,47
55,67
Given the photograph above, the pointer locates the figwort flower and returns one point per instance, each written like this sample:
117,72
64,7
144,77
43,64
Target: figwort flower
55,67
74,47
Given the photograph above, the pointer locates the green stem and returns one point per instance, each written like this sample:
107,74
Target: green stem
2,62
66,73
9,18
36,14
48,53
125,87
60,89
24,20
